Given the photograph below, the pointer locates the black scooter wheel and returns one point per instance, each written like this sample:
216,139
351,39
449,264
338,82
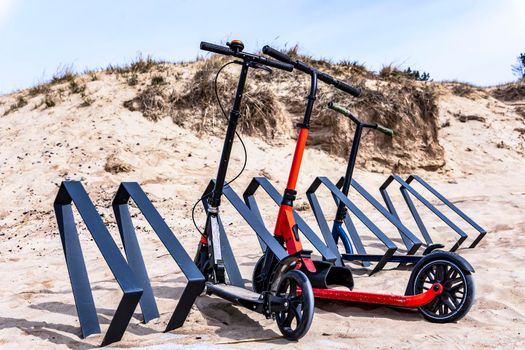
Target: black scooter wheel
458,287
295,322
257,279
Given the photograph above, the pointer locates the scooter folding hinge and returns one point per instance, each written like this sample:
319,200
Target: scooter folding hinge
289,197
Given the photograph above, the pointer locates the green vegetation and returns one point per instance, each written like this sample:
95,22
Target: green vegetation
519,68
391,71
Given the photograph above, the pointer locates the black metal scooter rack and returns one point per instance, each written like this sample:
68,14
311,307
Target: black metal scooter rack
407,191
131,275
410,240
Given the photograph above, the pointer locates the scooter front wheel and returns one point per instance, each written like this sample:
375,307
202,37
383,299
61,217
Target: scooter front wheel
458,287
296,320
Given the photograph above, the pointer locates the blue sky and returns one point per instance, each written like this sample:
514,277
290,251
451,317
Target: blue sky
468,40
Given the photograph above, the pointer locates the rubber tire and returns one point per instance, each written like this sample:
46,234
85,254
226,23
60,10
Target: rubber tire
470,290
257,287
307,305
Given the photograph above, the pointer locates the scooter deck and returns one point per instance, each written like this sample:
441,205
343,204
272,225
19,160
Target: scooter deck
234,294
381,299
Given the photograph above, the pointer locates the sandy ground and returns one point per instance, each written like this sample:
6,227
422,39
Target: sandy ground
40,148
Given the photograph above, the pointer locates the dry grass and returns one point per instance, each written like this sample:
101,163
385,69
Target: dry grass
114,165
521,111
63,74
158,80
36,90
150,101
510,92
139,65
76,88
50,100
271,104
196,106
463,90
20,103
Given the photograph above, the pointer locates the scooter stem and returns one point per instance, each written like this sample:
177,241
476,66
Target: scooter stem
215,198
341,208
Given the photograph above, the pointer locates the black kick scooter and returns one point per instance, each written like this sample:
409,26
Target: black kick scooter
289,296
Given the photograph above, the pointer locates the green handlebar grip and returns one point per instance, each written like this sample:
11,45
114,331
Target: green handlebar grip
338,108
385,130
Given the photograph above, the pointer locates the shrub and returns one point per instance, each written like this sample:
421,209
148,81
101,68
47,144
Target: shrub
519,68
64,73
157,80
50,100
391,71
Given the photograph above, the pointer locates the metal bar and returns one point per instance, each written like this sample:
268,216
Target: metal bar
323,224
76,267
414,242
391,247
350,227
459,231
306,230
373,257
148,306
417,218
392,210
357,212
230,264
251,202
195,285
74,192
452,206
255,223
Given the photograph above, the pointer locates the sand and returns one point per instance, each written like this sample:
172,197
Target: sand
41,147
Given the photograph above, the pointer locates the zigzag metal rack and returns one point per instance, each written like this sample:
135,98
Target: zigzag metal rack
195,285
131,275
406,189
74,192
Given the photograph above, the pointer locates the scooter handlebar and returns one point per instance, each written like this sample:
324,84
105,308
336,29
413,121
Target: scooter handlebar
340,109
385,130
339,84
223,50
278,55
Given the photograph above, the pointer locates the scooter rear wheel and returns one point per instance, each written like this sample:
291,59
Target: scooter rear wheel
257,279
458,289
295,322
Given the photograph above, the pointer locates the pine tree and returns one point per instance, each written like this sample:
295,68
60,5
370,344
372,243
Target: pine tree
519,68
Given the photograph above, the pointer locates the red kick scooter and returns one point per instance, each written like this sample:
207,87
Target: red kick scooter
324,275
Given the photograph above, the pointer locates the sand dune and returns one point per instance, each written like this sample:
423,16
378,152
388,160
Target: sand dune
39,147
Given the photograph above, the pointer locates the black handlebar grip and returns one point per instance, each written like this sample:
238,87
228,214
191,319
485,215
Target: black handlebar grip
339,84
223,50
275,64
348,88
278,55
